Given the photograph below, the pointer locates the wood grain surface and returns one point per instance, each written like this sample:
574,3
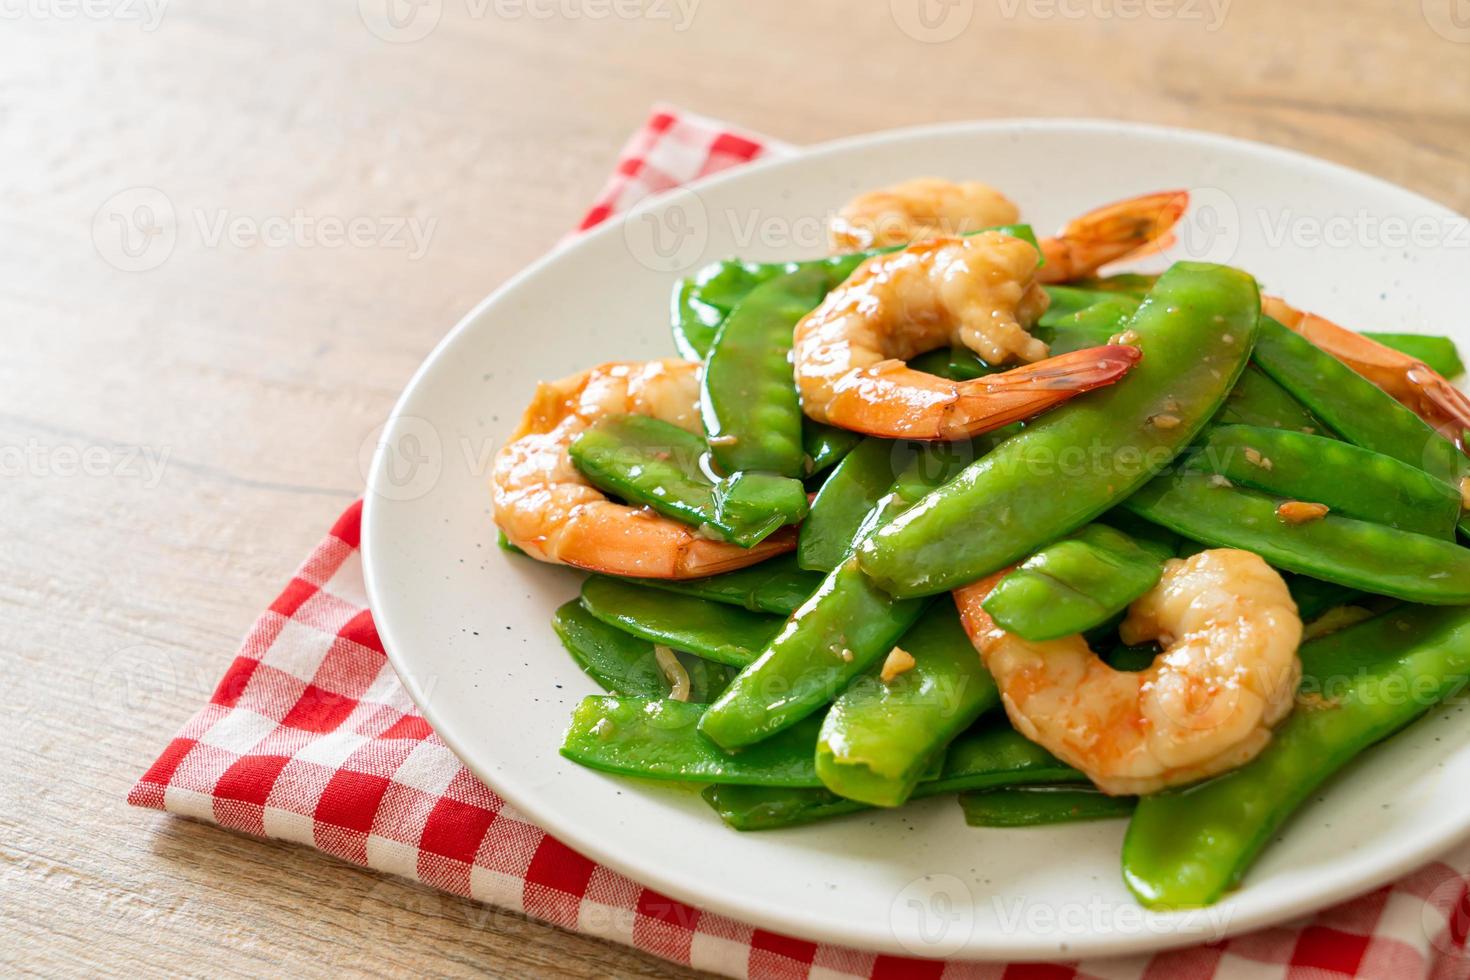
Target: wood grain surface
175,433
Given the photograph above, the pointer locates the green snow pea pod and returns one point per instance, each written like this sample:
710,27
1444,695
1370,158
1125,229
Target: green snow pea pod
958,364
1187,847
752,413
1360,555
1195,331
879,736
1041,806
771,808
1132,659
983,758
702,301
648,461
724,634
1067,300
994,754
658,739
965,365
1146,533
825,445
855,487
757,504
1313,597
843,629
1090,326
503,543
1352,481
937,362
1438,352
847,625
1257,400
773,586
1353,406
1075,584
624,664
1130,283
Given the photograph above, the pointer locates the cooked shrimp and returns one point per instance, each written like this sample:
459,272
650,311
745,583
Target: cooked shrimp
1135,227
1420,388
1228,674
548,510
925,207
979,291
930,207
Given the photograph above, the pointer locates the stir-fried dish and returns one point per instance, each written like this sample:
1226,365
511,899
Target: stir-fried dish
948,512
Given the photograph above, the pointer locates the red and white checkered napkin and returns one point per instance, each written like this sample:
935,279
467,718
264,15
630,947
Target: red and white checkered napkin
311,738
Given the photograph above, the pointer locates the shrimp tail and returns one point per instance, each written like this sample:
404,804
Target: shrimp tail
1411,382
1130,229
997,400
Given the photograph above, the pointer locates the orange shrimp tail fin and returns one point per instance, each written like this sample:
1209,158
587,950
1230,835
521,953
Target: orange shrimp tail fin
999,399
1414,384
1127,229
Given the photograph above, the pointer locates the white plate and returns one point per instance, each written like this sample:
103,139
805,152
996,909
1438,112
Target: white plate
467,626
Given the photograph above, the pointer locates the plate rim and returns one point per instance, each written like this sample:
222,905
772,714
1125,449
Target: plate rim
1350,876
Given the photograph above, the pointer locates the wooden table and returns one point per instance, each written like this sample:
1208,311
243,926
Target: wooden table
173,439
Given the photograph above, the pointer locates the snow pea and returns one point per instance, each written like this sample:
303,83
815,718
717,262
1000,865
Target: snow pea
1090,326
1313,597
757,504
855,487
1187,847
1132,659
724,634
1437,352
1040,806
1129,283
647,461
955,363
1257,400
938,362
878,736
825,445
658,739
701,302
1353,406
1353,481
624,664
844,628
1358,554
773,586
1075,584
752,412
847,625
1067,300
1195,329
992,756
503,543
1146,533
